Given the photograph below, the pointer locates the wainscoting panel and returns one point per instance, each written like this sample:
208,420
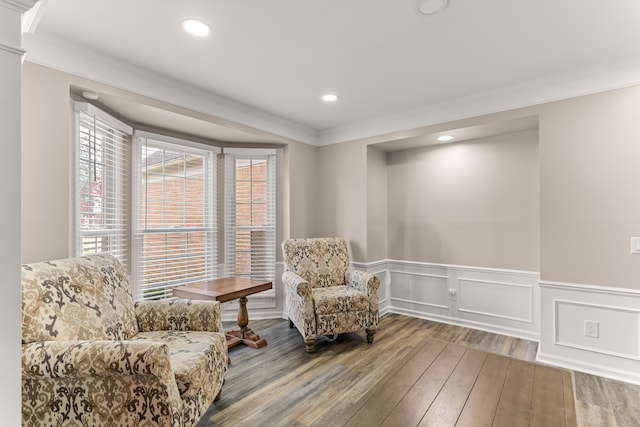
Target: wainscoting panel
614,352
486,298
419,292
500,301
611,339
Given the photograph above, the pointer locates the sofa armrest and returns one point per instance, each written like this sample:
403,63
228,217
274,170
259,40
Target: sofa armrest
179,314
363,281
99,383
96,358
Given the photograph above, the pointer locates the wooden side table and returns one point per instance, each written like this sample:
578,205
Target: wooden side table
228,289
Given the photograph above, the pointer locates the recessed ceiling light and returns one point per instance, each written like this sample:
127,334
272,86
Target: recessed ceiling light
330,97
196,27
429,7
445,138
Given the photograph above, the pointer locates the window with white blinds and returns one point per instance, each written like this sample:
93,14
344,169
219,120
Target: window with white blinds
103,148
175,218
250,215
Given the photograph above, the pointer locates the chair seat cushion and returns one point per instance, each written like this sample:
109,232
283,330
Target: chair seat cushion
198,359
339,299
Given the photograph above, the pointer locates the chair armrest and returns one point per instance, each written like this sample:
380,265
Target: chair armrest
294,282
363,281
77,359
179,314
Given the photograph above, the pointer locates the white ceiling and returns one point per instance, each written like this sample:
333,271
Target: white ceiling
391,67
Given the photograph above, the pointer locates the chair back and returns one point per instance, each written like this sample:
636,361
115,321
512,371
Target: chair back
85,298
320,261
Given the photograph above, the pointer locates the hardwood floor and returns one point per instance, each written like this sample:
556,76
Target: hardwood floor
282,385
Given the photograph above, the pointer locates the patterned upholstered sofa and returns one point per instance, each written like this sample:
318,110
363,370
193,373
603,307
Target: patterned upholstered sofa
323,295
90,357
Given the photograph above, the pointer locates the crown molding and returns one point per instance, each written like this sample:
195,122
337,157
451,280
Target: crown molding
66,56
585,81
20,6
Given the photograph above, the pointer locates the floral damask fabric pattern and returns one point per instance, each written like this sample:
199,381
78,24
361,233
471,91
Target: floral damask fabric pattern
77,299
98,383
339,299
92,358
177,315
323,295
320,262
199,372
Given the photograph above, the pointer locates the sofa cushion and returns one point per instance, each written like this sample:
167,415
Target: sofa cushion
86,298
199,362
339,299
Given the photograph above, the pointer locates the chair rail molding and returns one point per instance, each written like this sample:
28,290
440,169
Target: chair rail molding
614,351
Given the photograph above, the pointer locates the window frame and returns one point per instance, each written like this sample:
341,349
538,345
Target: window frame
146,139
118,171
230,210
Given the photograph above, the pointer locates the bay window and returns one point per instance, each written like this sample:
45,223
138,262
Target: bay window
152,201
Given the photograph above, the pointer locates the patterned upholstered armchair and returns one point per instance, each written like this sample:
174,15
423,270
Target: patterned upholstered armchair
323,295
90,357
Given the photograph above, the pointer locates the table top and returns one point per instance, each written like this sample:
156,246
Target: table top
222,290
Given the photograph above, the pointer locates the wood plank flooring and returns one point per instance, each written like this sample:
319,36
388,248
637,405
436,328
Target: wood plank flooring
349,382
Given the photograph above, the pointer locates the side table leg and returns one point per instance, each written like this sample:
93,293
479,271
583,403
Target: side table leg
243,334
243,314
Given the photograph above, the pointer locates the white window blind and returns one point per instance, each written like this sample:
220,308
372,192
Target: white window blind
103,148
250,215
175,219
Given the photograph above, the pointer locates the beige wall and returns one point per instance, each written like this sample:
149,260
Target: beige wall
376,204
590,201
473,203
46,164
302,183
342,205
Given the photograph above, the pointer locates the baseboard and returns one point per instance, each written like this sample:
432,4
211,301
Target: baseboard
614,352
